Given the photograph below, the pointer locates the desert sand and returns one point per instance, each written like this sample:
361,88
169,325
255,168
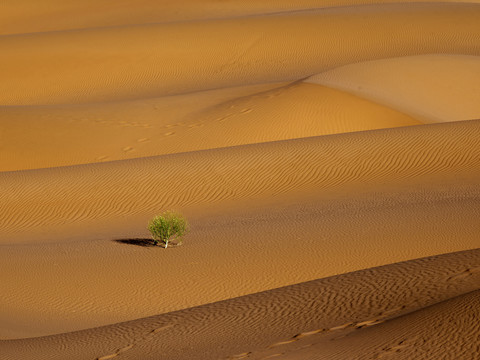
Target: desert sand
325,153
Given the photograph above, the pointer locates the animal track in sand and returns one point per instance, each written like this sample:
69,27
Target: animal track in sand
359,325
106,357
368,323
223,118
340,327
195,125
272,356
169,133
308,333
126,348
116,353
103,157
239,356
154,332
134,124
390,350
143,140
157,330
284,342
387,313
464,274
128,148
149,336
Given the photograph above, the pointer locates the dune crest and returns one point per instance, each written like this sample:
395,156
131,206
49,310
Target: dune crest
313,315
140,186
347,201
29,16
133,62
179,124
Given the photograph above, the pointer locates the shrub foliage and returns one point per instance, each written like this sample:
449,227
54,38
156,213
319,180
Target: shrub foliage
169,226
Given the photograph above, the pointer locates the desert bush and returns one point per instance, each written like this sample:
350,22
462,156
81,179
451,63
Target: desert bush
169,226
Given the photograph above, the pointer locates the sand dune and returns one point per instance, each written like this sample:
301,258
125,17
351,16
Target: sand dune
191,122
71,195
319,149
432,88
133,62
387,191
321,319
133,128
30,16
222,257
456,335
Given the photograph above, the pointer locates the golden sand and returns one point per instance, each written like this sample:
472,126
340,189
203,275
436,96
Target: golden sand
325,153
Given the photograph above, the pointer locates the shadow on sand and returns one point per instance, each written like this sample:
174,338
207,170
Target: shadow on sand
137,241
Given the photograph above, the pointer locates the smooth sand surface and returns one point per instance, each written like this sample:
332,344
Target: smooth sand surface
317,149
433,88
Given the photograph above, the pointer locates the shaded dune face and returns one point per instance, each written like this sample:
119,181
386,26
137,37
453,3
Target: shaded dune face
325,318
325,153
434,88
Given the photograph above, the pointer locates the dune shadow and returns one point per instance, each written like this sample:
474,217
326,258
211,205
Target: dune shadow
144,242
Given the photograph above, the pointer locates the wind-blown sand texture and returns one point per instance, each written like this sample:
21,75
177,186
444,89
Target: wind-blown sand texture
326,154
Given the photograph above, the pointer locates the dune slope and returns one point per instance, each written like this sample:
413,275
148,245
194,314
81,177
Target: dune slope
29,16
133,62
432,88
97,192
198,121
325,318
373,202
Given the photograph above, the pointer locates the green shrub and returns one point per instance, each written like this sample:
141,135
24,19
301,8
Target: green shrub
169,226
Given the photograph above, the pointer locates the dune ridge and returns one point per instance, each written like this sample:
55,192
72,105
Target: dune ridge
342,235
349,217
30,16
312,314
433,88
147,184
199,121
97,65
